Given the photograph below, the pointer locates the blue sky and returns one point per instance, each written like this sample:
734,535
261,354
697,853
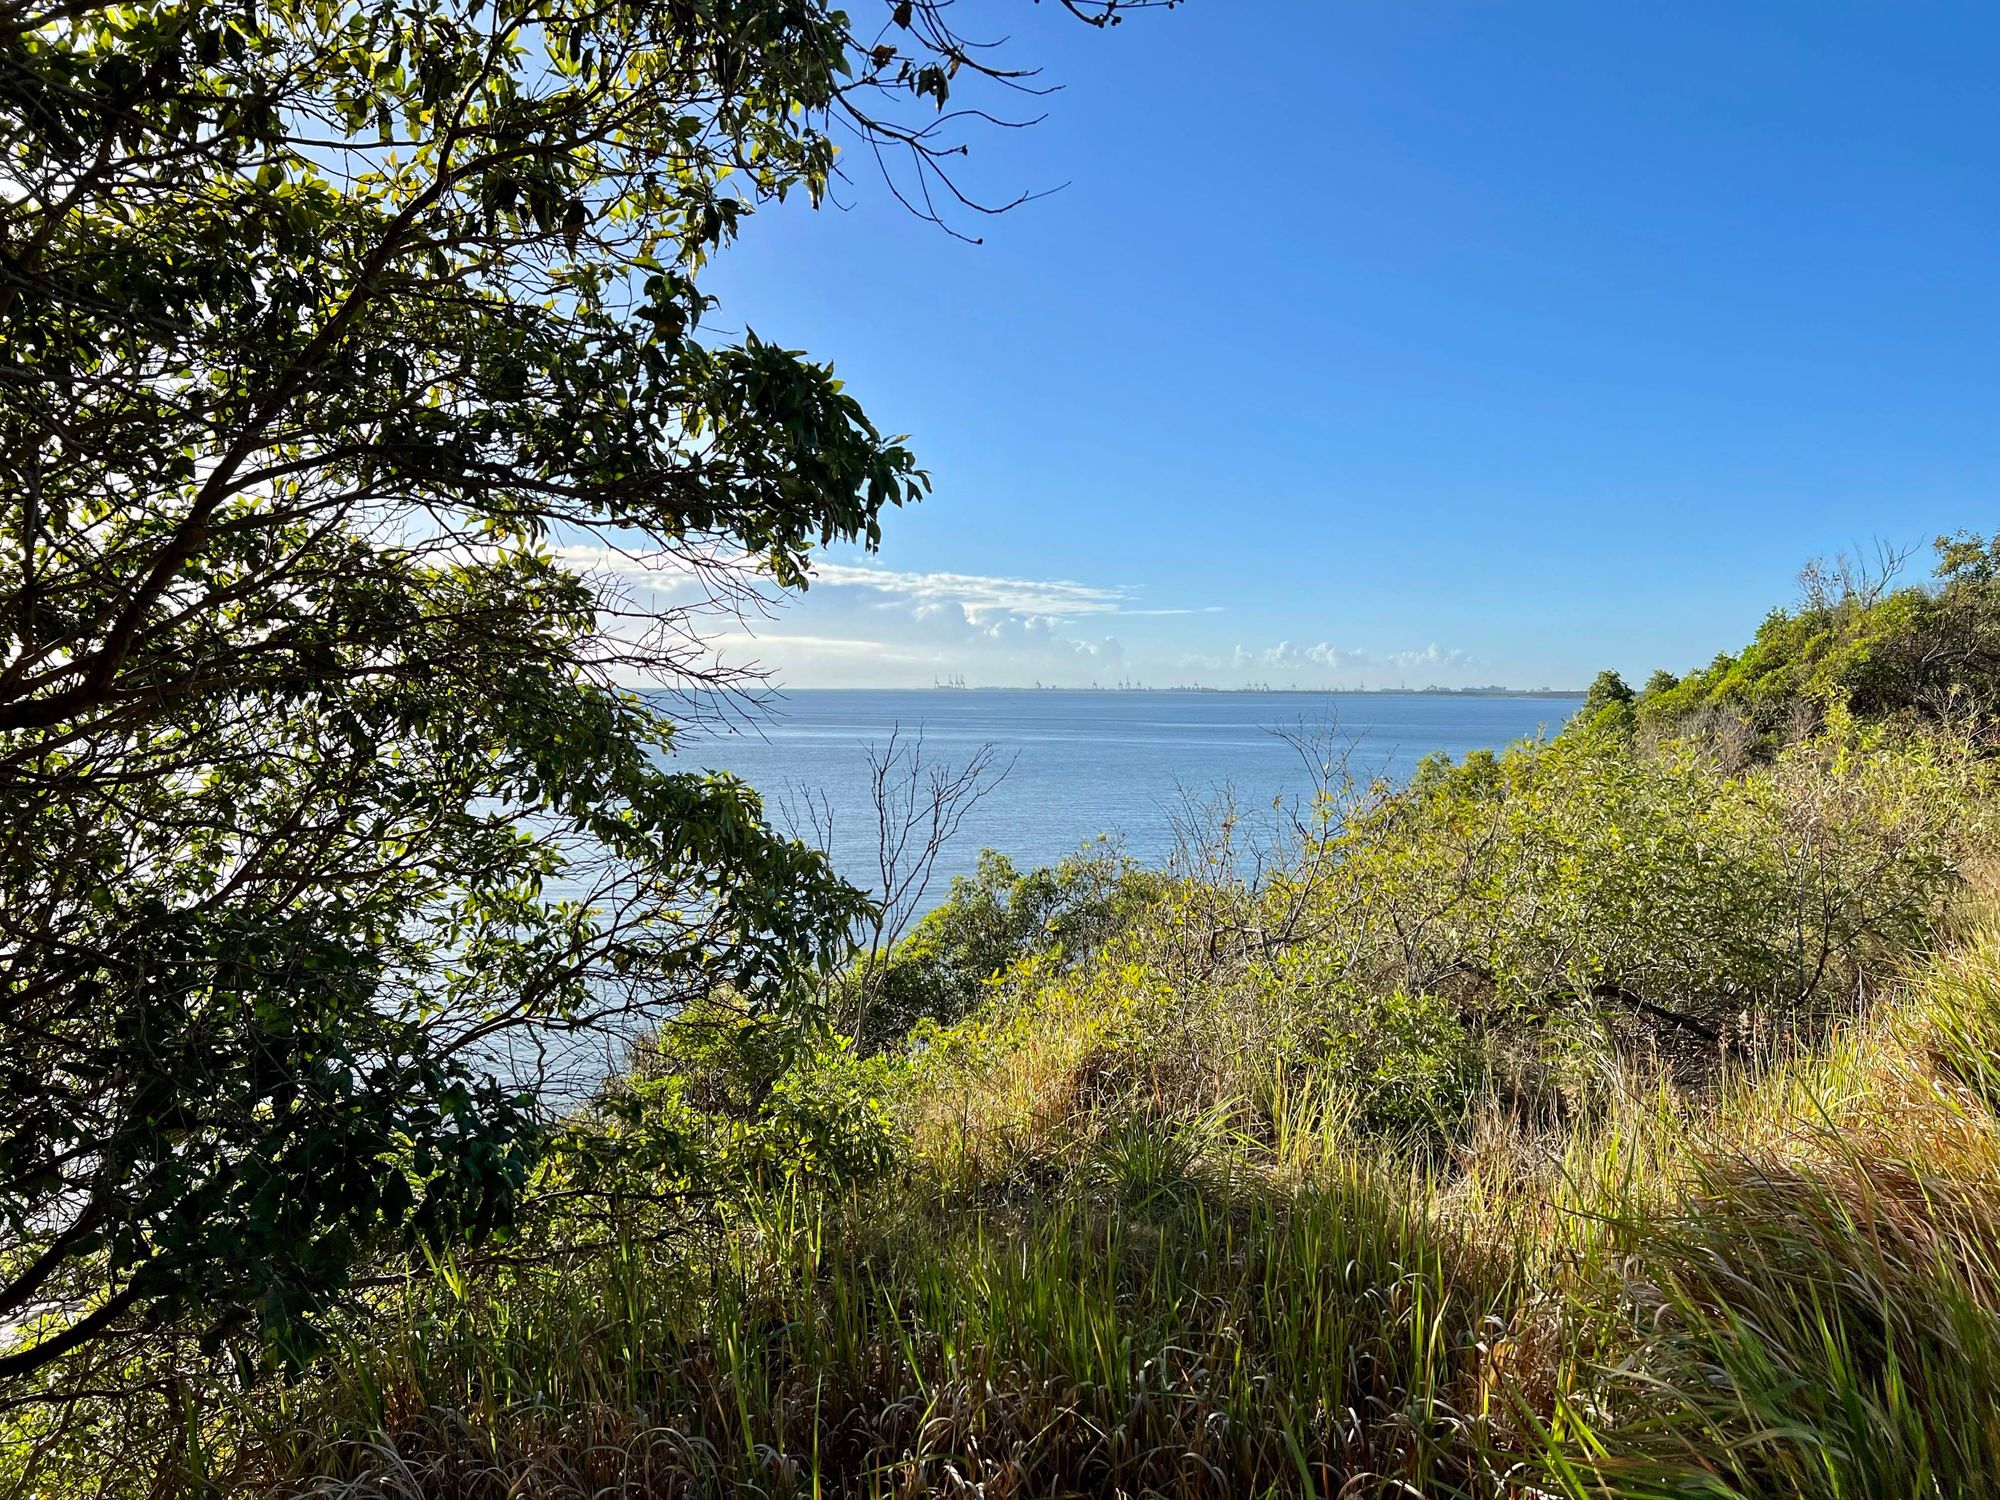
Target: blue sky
1411,342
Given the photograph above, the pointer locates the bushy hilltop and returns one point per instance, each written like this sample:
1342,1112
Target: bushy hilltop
1607,1115
1924,652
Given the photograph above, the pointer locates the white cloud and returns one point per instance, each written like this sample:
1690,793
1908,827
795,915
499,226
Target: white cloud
1324,655
977,597
1327,665
864,625
1433,655
980,597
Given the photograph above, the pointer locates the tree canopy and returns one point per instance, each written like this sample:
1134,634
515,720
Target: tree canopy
355,413
1857,643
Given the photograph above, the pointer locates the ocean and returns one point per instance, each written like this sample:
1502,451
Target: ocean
1080,765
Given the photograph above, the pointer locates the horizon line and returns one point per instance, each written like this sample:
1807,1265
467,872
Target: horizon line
1432,691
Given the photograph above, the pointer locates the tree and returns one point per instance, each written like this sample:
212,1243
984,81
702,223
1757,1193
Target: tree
916,806
1661,681
352,397
1608,700
993,918
1921,652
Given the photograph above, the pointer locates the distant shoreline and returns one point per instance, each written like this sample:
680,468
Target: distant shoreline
1266,692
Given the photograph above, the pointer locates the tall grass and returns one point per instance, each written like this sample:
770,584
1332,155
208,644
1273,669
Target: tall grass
1814,1306
1786,1286
1147,1329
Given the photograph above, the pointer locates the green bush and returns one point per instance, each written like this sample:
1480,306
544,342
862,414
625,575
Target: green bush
1408,1062
1588,874
1930,653
829,1118
1607,704
722,1098
991,920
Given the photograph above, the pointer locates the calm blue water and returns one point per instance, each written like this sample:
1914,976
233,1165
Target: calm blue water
1089,763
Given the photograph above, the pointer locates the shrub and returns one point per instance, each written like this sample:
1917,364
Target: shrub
1585,874
1607,704
1928,653
992,919
724,1098
1408,1062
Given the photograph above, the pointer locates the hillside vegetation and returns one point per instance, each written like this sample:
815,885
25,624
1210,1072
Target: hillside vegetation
1612,1115
1923,653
